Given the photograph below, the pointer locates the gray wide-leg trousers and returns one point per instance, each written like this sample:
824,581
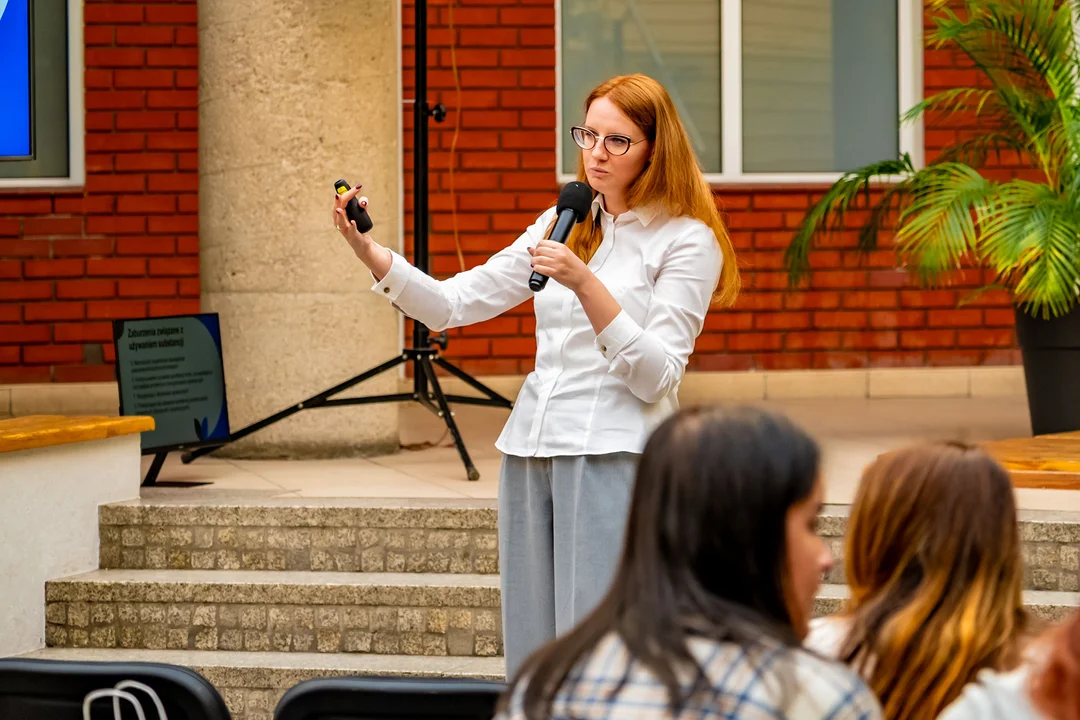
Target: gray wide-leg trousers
561,527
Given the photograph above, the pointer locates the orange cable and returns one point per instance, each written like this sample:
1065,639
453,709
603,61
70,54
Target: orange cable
457,129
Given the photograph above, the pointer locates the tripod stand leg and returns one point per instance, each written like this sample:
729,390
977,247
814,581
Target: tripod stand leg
313,401
444,411
155,468
472,382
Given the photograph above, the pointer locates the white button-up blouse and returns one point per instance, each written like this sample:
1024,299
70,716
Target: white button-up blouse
589,394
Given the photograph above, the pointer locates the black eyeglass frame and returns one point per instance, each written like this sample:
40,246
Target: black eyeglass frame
596,137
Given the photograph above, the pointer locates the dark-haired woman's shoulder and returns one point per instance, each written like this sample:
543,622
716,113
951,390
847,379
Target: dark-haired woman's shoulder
829,689
764,681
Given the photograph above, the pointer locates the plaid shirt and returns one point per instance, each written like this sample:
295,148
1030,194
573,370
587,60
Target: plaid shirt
771,683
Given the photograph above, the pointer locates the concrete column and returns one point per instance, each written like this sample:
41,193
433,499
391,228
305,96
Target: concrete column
294,94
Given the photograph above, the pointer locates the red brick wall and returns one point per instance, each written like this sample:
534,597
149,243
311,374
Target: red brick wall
857,312
127,244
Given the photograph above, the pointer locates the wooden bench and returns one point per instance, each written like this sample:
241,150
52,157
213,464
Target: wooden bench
38,431
1049,462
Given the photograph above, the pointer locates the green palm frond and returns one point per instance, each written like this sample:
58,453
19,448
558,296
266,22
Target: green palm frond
1042,36
976,151
1004,42
937,228
1064,144
829,212
962,99
1030,240
892,199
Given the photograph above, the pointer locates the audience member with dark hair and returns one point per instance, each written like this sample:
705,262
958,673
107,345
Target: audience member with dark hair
713,592
1048,688
934,566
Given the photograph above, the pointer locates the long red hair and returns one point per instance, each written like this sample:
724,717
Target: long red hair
672,180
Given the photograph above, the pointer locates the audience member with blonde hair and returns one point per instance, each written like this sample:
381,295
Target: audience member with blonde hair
934,567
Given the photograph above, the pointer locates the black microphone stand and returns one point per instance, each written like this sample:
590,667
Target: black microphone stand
423,355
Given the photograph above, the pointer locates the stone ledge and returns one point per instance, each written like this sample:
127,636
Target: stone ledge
304,513
1049,606
274,587
870,383
38,431
429,615
982,381
1050,543
372,538
1035,525
460,537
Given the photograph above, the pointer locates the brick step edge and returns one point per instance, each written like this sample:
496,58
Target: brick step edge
361,536
167,618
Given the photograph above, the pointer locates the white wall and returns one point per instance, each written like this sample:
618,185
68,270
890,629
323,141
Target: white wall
49,500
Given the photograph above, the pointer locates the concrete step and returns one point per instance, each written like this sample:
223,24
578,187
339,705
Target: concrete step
1050,543
253,683
422,536
1044,604
263,611
382,613
340,534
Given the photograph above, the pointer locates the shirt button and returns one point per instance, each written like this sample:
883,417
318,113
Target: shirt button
603,348
386,290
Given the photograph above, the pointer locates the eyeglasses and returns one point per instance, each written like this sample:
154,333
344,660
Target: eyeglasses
614,144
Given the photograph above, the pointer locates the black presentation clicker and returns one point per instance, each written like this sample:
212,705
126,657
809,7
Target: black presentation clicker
353,210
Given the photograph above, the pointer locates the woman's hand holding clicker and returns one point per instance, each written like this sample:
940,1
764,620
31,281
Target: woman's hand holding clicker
375,256
358,241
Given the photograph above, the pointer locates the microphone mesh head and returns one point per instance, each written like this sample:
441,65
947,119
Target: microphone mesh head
576,196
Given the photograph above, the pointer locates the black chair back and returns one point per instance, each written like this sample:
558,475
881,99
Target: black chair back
390,698
55,690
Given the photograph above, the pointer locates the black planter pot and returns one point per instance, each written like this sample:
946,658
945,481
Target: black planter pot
1051,353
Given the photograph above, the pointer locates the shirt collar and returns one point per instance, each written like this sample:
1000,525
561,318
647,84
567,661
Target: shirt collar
644,213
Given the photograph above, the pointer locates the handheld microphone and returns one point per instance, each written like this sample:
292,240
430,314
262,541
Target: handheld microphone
353,211
573,207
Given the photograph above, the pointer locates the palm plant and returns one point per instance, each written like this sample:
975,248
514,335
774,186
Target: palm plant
951,213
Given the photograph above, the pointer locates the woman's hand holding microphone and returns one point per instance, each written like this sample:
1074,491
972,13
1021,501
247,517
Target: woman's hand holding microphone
560,264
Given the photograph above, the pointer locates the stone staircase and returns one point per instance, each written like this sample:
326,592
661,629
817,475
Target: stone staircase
287,611
258,598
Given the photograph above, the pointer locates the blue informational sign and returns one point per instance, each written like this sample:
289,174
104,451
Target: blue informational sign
15,118
170,369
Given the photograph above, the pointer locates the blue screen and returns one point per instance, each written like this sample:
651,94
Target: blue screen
14,78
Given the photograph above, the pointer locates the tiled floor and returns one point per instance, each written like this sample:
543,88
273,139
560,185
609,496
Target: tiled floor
852,432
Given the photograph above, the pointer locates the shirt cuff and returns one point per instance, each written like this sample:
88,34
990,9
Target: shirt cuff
391,286
619,333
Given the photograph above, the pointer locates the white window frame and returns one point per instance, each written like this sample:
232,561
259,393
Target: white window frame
76,176
910,81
